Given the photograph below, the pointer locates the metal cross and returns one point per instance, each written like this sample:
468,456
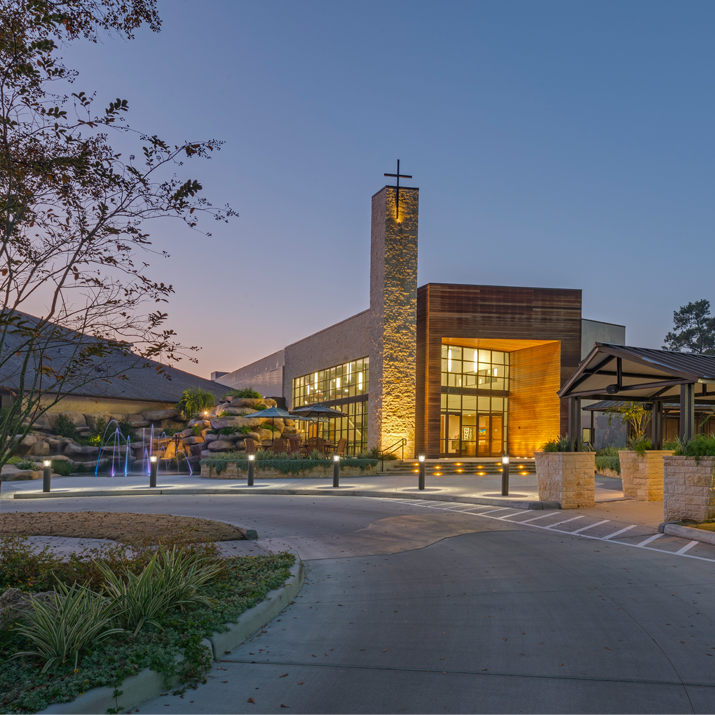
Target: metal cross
398,176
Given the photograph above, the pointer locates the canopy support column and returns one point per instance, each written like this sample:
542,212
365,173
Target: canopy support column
574,424
687,411
656,425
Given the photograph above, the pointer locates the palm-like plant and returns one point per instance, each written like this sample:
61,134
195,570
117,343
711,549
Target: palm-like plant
194,400
170,579
75,620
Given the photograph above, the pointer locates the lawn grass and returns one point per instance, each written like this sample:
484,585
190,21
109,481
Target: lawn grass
243,582
126,528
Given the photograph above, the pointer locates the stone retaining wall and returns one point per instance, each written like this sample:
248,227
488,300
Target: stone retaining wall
234,471
568,478
642,476
689,488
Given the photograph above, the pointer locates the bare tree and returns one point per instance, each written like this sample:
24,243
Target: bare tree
73,212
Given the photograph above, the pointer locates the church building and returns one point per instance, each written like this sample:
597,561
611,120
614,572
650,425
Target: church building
453,370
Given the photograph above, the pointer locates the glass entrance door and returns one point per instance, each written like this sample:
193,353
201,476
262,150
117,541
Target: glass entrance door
497,435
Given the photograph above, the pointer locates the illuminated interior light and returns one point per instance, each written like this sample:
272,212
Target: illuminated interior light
449,361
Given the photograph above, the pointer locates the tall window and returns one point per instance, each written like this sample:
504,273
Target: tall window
345,388
475,402
335,383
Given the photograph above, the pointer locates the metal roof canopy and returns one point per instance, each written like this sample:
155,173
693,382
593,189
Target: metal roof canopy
641,375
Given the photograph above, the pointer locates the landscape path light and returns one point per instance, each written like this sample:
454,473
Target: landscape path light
421,478
505,476
336,470
153,466
251,468
46,475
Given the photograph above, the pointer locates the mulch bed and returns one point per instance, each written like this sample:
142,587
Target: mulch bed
125,528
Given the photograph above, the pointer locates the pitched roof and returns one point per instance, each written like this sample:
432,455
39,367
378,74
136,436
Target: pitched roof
645,374
154,383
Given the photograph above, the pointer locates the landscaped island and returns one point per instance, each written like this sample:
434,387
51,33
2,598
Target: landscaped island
149,606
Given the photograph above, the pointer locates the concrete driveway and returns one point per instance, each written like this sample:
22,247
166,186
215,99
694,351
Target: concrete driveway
444,608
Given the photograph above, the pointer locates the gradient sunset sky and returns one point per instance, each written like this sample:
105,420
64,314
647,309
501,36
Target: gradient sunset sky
555,144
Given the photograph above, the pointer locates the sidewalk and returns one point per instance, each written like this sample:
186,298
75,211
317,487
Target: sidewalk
470,489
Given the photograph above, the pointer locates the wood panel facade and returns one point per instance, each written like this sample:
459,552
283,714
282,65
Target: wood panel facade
447,310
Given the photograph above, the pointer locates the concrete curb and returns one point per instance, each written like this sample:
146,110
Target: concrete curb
687,532
148,683
255,618
178,491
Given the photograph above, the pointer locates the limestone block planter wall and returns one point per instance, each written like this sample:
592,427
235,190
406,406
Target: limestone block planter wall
234,471
568,478
642,476
688,488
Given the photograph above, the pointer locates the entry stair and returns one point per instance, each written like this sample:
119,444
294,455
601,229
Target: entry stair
437,467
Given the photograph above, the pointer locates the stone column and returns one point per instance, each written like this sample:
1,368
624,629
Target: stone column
568,478
393,319
689,488
642,476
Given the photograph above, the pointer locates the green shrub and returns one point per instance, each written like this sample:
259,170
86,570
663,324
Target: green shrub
171,578
245,430
228,430
245,392
65,427
671,444
640,444
557,444
26,463
609,451
197,430
61,467
260,407
608,461
59,631
702,446
282,462
194,400
270,427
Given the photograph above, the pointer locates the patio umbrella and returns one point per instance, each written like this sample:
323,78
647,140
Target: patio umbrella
274,413
318,412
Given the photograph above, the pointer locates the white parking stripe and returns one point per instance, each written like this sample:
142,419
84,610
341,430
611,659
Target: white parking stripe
495,510
558,523
543,516
687,547
616,533
649,539
590,526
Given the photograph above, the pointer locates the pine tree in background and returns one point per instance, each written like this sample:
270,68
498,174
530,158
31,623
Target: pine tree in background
694,330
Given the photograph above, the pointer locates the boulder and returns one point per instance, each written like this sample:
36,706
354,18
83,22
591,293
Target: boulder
239,422
74,449
278,423
227,410
10,473
43,423
206,453
220,445
197,449
194,439
268,435
270,402
15,604
211,437
41,448
91,420
246,402
76,418
290,423
186,433
289,432
158,415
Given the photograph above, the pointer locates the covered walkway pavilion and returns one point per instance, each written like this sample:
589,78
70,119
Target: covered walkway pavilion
630,374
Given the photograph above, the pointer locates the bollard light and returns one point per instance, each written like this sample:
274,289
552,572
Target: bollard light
505,476
153,466
421,478
46,475
336,470
251,468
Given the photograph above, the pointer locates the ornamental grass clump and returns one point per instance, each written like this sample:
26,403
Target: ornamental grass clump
74,621
171,579
702,446
557,444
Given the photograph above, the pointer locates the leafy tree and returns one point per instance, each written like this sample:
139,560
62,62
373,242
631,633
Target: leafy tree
73,212
194,400
634,414
694,330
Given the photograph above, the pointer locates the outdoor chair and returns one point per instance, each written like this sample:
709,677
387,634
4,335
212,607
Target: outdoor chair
250,445
342,442
315,443
293,446
279,446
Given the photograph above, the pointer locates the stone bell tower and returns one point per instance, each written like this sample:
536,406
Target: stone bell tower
393,318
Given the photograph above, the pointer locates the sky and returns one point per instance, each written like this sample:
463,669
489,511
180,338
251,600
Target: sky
555,144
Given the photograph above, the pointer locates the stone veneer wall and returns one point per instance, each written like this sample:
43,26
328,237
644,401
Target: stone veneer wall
642,476
688,488
568,478
393,319
338,344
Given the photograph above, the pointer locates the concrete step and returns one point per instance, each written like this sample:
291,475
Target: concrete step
458,467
